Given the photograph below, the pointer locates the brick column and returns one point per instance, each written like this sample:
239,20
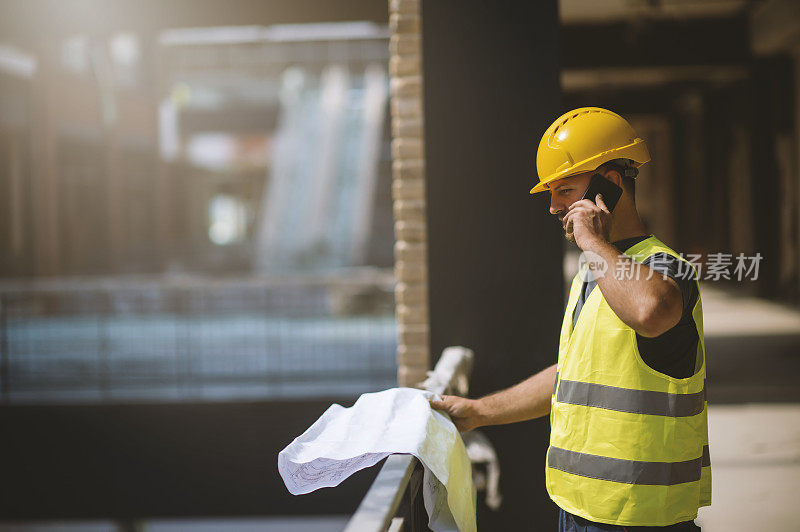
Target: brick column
408,192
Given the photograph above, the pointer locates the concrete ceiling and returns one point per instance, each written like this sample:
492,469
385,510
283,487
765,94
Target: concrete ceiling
604,11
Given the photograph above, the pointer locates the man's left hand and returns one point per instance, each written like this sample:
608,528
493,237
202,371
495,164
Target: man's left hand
588,223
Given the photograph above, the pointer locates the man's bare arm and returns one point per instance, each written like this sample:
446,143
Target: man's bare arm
527,400
648,302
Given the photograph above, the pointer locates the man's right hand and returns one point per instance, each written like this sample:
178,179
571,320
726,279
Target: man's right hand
463,412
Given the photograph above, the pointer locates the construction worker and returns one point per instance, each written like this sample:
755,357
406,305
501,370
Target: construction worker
628,428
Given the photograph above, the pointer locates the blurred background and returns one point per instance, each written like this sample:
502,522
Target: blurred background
197,233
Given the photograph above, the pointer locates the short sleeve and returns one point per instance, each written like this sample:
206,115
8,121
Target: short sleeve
675,351
673,267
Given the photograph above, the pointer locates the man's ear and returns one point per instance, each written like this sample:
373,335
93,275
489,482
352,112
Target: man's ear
614,177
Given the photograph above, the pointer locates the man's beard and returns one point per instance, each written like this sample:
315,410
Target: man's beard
570,236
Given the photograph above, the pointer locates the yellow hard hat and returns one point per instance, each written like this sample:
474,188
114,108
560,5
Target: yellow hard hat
581,140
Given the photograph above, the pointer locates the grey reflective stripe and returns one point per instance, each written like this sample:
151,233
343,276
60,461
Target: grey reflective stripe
633,401
624,471
555,384
706,456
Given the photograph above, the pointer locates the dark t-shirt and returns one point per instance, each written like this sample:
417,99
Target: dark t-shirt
675,351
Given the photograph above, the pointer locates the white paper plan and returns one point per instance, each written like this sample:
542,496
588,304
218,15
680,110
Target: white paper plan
396,421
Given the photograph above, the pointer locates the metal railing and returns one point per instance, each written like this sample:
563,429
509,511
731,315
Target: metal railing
394,501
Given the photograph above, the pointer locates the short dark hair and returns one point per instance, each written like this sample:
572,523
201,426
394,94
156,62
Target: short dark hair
625,169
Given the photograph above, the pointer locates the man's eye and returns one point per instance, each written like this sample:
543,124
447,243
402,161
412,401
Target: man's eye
564,191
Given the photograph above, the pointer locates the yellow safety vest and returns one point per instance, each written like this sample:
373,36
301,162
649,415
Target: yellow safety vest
628,444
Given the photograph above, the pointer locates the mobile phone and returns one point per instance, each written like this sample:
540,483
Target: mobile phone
600,185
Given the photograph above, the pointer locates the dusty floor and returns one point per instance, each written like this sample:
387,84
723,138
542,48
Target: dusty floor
754,416
755,462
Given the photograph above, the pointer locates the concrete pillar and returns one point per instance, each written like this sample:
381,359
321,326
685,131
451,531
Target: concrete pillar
796,201
116,244
490,89
693,180
655,184
770,77
157,66
46,231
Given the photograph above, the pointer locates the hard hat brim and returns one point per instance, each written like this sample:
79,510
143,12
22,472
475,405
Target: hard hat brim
540,187
636,151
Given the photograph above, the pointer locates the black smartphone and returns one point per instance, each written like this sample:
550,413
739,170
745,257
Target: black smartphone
600,185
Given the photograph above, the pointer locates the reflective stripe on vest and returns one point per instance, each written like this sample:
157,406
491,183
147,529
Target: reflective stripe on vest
633,401
627,471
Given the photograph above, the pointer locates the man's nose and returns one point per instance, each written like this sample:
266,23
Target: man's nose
555,206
